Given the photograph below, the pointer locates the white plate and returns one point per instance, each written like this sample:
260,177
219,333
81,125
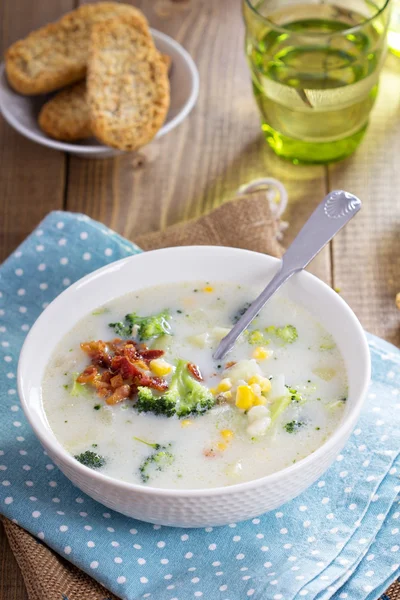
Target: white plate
21,112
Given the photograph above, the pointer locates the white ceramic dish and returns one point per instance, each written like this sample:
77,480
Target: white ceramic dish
192,508
21,112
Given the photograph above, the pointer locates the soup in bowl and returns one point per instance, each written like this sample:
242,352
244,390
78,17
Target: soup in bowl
130,404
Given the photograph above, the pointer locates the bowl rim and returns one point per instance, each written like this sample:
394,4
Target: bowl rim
89,149
340,433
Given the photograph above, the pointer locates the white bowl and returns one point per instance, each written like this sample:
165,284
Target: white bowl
21,112
192,508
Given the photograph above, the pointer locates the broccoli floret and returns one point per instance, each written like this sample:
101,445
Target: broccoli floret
293,426
145,394
288,334
91,459
122,330
151,327
146,327
147,401
77,389
256,338
185,396
159,460
295,395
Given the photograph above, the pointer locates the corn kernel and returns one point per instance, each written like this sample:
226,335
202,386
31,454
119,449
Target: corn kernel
224,385
213,391
227,434
265,385
186,423
260,353
208,289
245,397
222,446
263,382
256,389
255,379
160,367
260,401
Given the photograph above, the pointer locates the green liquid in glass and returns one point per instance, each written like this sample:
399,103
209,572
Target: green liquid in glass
314,92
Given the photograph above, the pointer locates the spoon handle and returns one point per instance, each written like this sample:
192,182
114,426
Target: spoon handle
333,213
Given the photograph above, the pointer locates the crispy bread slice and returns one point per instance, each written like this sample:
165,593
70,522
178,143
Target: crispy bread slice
56,55
128,86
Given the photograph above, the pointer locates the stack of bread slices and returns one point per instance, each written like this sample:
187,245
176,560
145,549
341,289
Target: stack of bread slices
114,81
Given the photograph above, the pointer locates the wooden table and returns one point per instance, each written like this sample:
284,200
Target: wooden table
201,164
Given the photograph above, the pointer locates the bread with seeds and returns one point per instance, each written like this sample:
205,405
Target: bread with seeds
56,55
127,84
65,117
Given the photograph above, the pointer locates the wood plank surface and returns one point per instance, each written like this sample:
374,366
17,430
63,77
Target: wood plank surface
32,179
366,254
32,183
202,163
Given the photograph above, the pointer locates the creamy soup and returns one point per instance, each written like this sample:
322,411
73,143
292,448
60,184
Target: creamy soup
134,392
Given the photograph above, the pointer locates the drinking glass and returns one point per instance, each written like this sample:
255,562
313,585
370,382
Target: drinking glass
315,70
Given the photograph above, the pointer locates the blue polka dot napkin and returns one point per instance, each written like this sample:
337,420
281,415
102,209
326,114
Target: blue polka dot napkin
339,539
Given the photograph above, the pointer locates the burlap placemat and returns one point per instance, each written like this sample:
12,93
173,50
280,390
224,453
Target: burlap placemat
245,222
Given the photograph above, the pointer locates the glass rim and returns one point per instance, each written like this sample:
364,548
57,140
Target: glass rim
346,31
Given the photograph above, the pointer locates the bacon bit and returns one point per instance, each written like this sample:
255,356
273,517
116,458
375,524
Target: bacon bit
104,391
116,381
126,367
88,375
157,383
230,364
148,355
92,348
209,453
195,371
119,395
142,365
131,352
117,345
103,360
98,353
106,377
100,385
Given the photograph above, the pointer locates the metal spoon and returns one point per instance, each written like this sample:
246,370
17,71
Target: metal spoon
334,212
